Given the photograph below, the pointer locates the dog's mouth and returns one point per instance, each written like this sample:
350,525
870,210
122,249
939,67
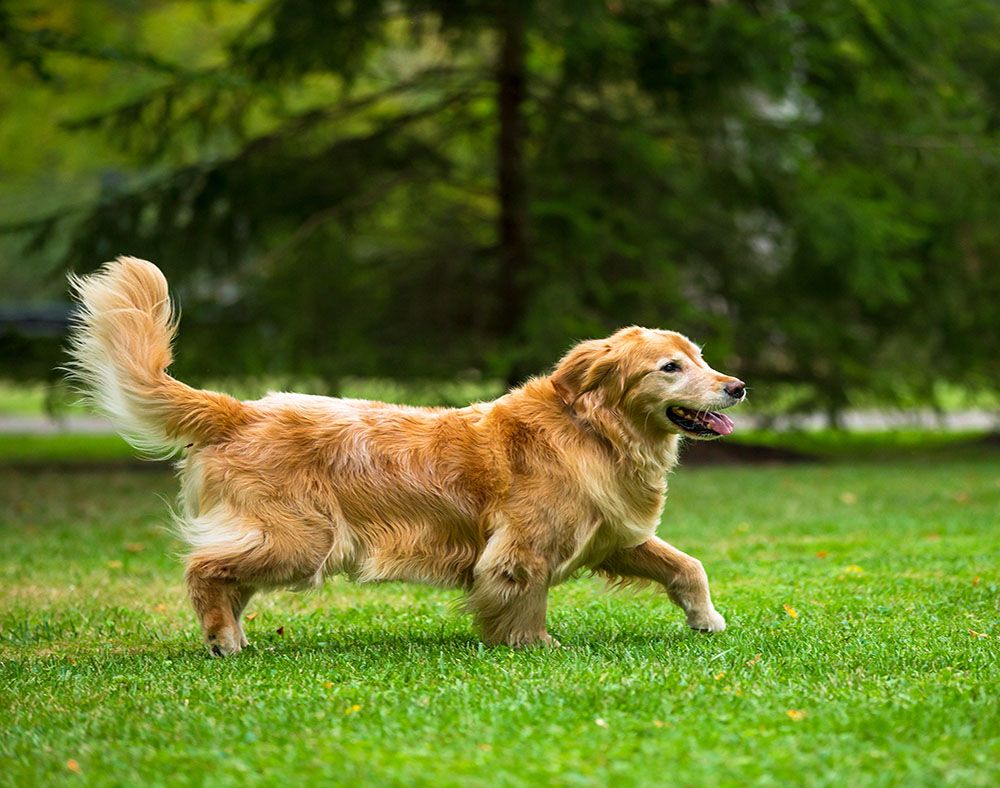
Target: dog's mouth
700,422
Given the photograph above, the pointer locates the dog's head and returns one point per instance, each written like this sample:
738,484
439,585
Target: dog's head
656,379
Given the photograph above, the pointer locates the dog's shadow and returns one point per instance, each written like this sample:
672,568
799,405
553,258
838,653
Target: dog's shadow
423,648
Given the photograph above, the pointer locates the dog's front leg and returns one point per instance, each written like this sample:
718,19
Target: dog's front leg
682,575
510,592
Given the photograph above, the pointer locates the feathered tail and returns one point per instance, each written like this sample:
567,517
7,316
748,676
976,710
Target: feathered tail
120,344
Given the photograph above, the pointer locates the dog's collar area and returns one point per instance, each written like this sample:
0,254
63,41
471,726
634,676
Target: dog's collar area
702,422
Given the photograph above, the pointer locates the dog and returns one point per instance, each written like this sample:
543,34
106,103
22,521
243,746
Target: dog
502,499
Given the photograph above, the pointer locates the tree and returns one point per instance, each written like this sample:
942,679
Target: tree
426,187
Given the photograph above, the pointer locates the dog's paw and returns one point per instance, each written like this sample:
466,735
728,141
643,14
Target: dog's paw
707,621
224,643
531,640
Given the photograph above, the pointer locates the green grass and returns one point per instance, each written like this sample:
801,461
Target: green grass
21,399
67,448
842,445
889,566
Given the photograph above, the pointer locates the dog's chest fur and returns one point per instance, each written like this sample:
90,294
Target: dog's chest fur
626,499
629,502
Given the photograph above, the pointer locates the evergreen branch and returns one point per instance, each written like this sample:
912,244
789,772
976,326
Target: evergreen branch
258,147
317,220
30,46
156,108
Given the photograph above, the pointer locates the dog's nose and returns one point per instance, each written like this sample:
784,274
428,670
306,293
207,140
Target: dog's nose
736,389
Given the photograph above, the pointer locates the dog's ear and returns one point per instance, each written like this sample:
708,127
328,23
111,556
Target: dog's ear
588,366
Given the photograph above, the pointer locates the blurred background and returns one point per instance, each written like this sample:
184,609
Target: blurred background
428,201
425,201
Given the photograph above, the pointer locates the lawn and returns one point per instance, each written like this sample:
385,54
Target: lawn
862,599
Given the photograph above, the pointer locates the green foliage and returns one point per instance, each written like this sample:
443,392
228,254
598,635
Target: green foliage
808,187
67,448
101,662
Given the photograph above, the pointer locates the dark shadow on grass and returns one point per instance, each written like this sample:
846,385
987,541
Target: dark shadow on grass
367,645
417,644
365,641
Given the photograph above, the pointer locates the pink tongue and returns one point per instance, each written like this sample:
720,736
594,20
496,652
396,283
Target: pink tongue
719,422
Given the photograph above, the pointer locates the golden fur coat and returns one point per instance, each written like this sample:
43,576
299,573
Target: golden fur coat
502,498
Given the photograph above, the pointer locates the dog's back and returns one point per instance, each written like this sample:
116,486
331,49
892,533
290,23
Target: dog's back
391,492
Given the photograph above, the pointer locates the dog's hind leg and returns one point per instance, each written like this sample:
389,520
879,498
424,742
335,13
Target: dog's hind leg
682,575
215,595
232,558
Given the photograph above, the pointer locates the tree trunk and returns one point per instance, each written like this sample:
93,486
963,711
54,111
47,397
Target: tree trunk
514,259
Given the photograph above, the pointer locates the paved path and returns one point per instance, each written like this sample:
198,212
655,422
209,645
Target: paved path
879,420
856,420
42,425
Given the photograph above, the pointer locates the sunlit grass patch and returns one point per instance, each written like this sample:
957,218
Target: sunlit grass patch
863,646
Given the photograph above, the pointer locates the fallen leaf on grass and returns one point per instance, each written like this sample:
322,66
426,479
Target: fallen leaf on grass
753,661
975,580
251,616
162,607
795,714
822,554
73,766
791,611
978,634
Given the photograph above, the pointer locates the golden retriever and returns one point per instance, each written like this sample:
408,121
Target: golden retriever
502,499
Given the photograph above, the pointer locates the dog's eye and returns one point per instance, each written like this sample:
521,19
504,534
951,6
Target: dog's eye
671,366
